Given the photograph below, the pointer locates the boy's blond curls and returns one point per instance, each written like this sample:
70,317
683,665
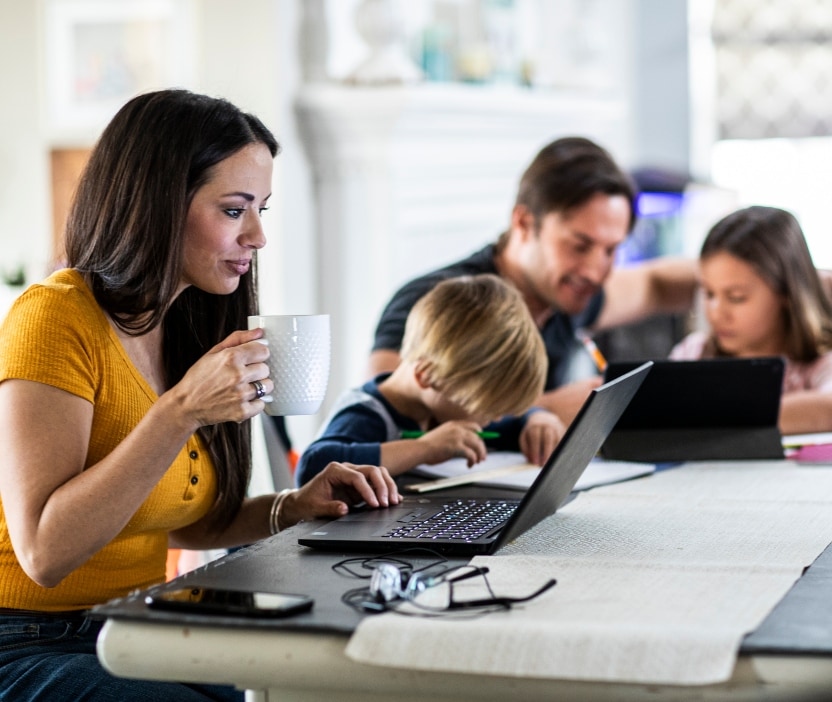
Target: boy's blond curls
476,342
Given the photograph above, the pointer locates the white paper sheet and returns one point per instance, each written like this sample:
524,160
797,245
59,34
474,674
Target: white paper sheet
598,472
791,440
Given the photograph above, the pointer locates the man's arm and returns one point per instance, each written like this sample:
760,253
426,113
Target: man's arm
566,400
663,285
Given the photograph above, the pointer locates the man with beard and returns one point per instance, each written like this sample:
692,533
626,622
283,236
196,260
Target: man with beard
574,207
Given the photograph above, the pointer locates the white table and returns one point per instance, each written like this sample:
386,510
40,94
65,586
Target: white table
294,667
278,664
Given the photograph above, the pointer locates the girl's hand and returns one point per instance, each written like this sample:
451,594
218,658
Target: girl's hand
339,485
539,437
218,387
454,439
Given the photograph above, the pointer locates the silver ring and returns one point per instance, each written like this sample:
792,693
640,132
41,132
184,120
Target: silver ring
258,389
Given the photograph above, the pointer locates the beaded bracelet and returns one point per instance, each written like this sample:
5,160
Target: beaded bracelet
274,513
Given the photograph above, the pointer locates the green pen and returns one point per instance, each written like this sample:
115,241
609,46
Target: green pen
415,434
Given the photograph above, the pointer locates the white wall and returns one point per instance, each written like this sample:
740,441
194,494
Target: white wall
25,211
244,52
242,65
238,57
661,95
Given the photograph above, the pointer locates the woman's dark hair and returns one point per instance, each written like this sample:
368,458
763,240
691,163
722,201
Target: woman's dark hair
770,241
125,232
567,173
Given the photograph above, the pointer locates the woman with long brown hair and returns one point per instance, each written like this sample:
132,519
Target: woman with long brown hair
126,386
764,297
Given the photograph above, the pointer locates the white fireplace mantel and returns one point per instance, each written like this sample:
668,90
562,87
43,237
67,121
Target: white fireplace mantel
410,177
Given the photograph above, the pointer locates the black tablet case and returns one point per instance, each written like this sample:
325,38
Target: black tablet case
700,410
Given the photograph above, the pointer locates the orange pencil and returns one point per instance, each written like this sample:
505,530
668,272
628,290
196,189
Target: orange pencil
594,351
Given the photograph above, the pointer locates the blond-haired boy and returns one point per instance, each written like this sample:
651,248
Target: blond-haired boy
472,360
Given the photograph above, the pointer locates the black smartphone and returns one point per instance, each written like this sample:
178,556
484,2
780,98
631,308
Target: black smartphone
239,603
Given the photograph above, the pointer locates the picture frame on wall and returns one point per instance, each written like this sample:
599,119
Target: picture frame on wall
100,53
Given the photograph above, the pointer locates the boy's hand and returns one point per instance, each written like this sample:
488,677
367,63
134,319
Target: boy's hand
539,437
455,439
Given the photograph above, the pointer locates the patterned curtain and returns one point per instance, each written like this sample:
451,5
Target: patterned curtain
774,68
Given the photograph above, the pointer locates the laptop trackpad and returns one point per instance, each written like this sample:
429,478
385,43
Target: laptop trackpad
411,509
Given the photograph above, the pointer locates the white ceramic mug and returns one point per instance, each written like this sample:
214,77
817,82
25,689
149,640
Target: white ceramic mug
299,348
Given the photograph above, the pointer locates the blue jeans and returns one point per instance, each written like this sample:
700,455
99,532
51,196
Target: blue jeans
51,658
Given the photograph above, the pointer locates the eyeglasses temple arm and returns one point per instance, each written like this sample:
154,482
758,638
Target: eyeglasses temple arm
504,602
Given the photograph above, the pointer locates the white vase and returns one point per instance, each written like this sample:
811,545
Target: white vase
380,24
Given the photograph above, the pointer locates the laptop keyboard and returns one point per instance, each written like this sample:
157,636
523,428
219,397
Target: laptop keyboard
462,520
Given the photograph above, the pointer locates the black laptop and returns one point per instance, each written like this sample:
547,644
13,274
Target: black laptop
713,409
463,527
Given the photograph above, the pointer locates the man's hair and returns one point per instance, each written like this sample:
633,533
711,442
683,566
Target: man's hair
567,173
771,241
125,232
478,344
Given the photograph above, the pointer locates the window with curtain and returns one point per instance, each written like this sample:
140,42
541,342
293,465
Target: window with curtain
773,108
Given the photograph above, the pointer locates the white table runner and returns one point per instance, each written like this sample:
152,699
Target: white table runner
658,581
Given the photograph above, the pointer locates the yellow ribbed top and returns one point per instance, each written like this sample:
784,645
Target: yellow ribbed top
58,335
